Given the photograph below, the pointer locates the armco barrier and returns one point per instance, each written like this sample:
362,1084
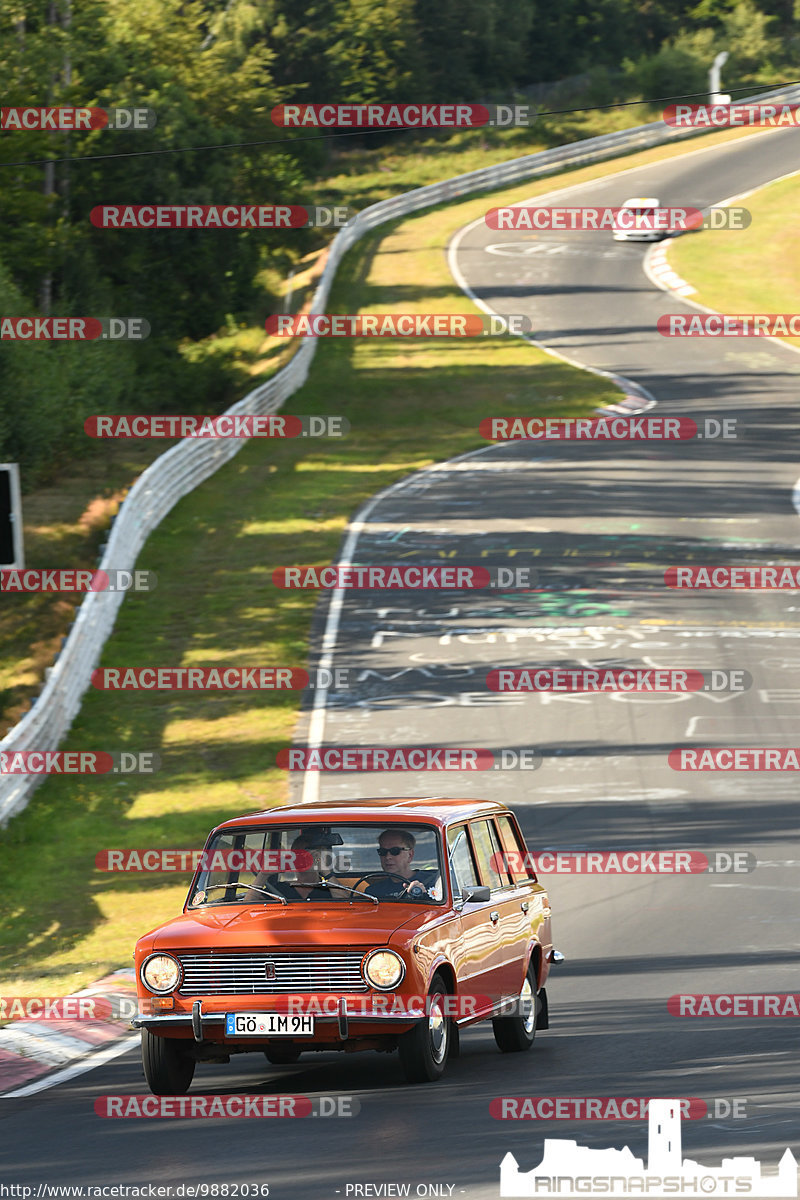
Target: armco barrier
187,464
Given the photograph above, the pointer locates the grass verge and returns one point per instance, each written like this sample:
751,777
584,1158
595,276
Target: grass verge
753,270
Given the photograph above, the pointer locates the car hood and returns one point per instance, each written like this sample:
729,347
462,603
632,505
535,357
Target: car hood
294,925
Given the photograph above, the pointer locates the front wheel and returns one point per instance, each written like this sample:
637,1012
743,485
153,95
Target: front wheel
168,1070
424,1049
516,1033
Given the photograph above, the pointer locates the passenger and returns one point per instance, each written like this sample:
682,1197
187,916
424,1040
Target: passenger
303,887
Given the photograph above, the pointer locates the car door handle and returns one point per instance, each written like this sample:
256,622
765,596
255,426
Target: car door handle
524,906
494,916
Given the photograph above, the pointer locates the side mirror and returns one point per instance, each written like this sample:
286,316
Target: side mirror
476,894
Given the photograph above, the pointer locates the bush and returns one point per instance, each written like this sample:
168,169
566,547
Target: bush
674,70
48,391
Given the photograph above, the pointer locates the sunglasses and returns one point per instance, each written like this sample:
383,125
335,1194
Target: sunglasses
391,850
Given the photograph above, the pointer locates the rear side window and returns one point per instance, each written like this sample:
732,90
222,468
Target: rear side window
462,865
490,860
514,852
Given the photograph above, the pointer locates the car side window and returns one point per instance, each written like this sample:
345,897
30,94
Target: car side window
487,848
516,857
462,865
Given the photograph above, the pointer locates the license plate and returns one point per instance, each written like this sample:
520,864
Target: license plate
268,1025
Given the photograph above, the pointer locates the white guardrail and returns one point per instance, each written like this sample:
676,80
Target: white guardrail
178,471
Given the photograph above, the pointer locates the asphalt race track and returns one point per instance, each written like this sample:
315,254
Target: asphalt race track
598,525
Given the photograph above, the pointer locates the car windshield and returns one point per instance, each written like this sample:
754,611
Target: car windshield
636,211
363,863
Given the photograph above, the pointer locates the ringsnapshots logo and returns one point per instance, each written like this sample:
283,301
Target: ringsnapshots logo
396,325
228,425
401,116
70,119
73,329
570,1170
220,216
73,579
605,429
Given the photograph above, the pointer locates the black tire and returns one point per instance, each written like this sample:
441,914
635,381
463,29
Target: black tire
516,1033
425,1048
281,1056
168,1069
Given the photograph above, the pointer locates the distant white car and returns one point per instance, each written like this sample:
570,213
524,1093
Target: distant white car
636,220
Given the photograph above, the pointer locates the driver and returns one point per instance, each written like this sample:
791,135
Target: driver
396,850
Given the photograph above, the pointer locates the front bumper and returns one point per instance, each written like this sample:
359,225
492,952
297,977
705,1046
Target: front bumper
362,1015
650,235
205,1023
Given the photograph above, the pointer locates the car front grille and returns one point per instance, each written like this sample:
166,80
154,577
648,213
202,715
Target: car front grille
266,974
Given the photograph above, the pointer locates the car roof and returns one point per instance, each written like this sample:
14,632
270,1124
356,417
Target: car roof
440,809
641,202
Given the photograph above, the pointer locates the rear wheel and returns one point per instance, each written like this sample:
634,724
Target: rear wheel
168,1069
424,1049
281,1056
517,1033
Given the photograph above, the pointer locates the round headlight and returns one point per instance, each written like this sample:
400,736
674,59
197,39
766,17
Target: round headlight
384,969
161,973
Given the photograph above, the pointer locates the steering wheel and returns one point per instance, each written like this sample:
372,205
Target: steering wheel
392,875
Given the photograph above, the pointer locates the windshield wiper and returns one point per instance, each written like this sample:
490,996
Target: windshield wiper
250,888
324,883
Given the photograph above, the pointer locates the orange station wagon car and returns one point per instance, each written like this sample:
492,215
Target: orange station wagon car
384,925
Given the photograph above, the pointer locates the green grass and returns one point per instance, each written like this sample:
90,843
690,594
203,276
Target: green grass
753,270
409,404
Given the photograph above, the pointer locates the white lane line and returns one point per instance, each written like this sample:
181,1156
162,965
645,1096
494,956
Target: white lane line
316,725
455,464
641,393
759,887
77,1068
